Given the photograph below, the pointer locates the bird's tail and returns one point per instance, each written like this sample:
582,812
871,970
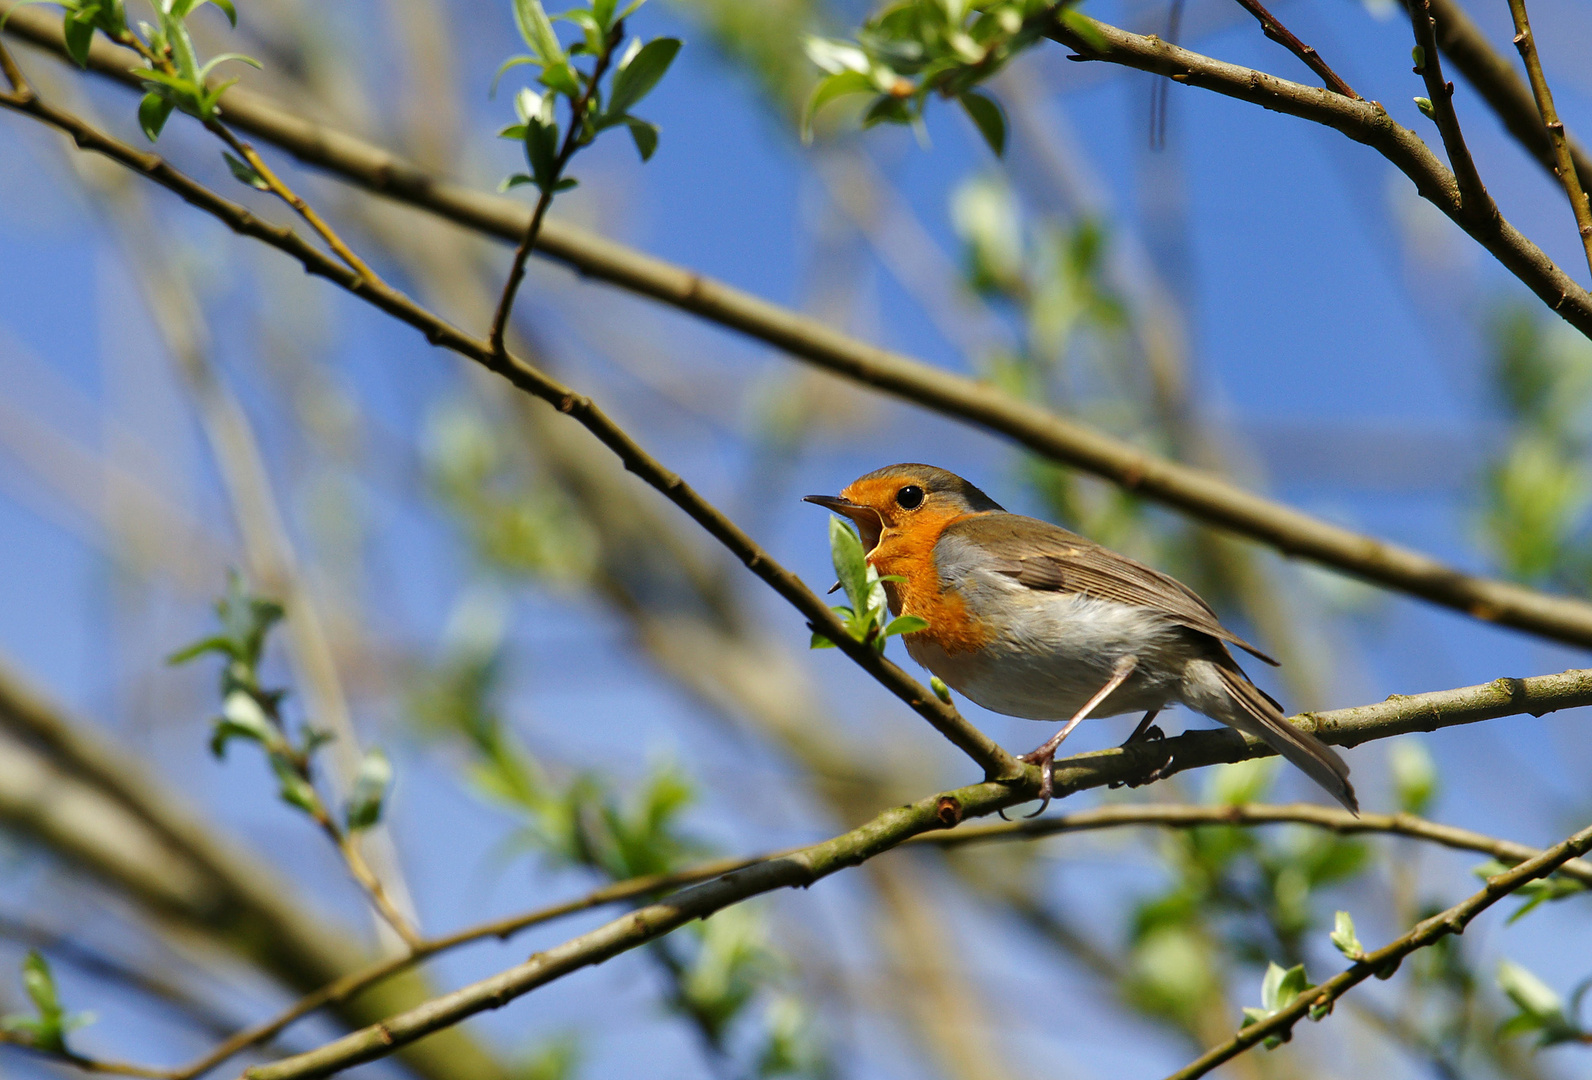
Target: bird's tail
1260,716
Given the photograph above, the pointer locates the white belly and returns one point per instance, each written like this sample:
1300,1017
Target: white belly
1052,652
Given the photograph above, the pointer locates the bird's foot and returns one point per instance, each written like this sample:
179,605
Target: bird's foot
1045,758
1145,733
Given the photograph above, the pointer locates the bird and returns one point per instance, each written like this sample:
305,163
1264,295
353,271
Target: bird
1029,619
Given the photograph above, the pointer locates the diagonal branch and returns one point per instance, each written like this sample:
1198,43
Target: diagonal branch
1563,164
1385,960
1474,202
1285,37
1198,493
944,718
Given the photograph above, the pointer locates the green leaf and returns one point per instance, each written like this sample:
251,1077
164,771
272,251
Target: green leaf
293,788
541,151
645,136
602,13
905,624
511,62
987,116
941,691
79,35
634,80
218,643
182,50
153,112
1425,105
828,89
836,57
244,173
231,12
850,562
537,30
1344,937
204,72
369,793
242,717
519,179
561,77
1084,27
39,983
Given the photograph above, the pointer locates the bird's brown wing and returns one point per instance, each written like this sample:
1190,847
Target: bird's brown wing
1047,557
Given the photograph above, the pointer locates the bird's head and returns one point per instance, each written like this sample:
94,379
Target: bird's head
901,496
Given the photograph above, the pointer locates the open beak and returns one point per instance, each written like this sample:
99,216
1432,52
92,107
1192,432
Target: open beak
869,524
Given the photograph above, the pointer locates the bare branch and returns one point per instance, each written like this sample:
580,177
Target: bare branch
1495,79
1564,165
944,718
1175,816
1474,202
1386,959
1362,121
1285,37
1193,491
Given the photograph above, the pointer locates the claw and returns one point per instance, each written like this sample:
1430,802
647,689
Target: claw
1045,758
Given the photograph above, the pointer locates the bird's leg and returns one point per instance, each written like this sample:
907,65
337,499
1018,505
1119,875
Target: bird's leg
1146,730
1045,756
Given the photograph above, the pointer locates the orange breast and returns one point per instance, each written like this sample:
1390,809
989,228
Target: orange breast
909,553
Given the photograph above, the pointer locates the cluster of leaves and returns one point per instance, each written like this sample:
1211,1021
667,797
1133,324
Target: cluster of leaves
867,618
1280,988
719,970
47,1028
1538,490
174,79
914,48
251,712
637,69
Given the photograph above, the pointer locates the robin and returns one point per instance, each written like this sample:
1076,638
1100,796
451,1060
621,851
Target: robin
1031,620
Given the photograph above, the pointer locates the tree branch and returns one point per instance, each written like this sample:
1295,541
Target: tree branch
1344,727
1363,121
944,718
745,877
1386,959
1285,37
1195,492
1564,166
1495,79
1174,816
1474,202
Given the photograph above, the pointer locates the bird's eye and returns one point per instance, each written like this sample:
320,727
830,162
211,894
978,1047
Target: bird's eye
910,497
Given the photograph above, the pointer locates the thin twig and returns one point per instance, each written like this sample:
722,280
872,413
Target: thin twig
1386,959
1249,815
1279,33
1564,165
572,137
86,1064
995,761
1195,492
293,199
1494,77
1474,202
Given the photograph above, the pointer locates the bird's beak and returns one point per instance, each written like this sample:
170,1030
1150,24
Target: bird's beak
869,524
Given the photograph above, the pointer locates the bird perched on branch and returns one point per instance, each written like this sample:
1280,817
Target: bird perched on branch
1031,620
